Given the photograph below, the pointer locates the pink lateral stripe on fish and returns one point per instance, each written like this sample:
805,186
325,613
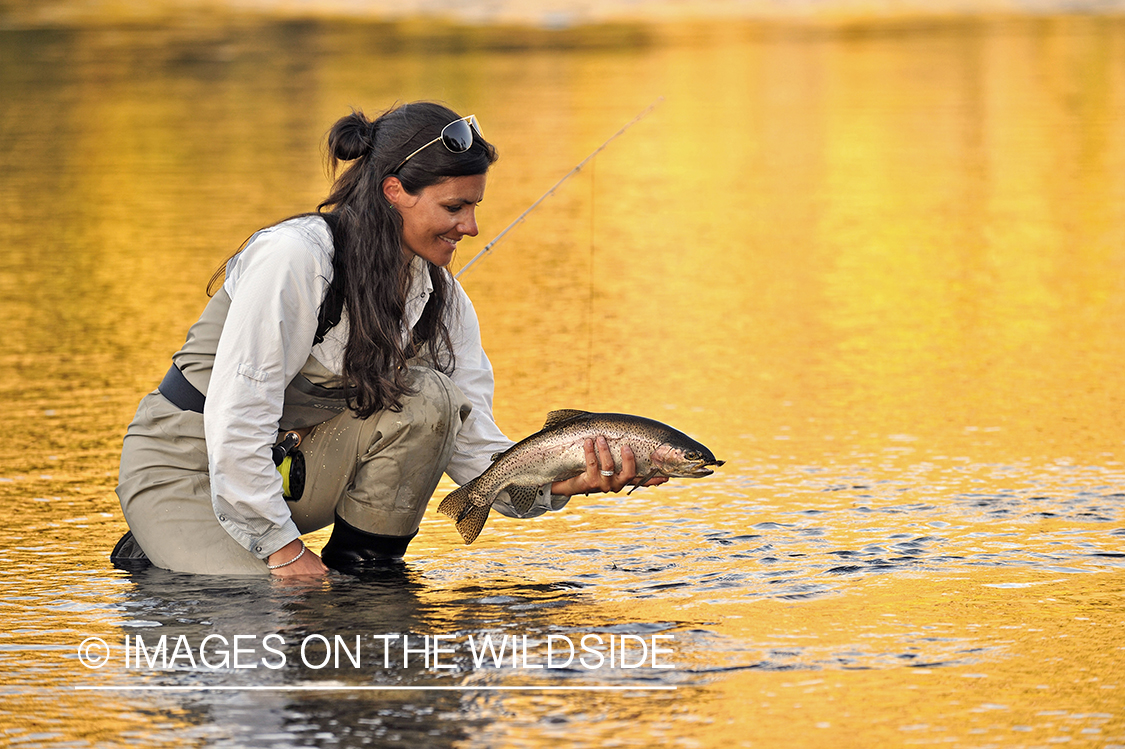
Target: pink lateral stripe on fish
556,453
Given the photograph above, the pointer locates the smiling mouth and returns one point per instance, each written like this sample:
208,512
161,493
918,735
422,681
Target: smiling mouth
452,242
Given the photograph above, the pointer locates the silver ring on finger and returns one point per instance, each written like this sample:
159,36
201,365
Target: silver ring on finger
607,473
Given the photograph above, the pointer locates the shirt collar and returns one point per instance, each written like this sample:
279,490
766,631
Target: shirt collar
421,287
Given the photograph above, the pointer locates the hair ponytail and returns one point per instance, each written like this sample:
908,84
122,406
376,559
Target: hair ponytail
351,138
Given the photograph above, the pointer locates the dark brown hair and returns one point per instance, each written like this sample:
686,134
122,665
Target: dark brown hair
371,272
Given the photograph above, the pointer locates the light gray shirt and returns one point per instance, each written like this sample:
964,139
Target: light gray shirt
276,286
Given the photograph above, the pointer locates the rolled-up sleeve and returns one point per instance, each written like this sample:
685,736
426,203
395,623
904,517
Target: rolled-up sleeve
276,285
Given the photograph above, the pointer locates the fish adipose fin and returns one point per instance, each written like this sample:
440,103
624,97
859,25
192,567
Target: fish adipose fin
523,497
470,519
566,414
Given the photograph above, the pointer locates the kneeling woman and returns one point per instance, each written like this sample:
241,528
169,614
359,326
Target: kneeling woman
346,326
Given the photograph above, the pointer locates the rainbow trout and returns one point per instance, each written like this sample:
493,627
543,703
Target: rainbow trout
556,453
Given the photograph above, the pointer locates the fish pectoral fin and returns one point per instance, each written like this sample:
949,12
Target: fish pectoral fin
523,497
565,414
650,475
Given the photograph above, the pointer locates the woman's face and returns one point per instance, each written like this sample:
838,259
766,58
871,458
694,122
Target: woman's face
435,220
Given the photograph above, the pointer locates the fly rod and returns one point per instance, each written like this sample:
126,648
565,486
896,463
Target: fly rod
488,247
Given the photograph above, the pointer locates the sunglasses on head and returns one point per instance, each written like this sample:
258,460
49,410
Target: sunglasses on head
457,137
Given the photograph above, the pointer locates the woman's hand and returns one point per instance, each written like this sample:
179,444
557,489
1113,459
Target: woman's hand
309,565
599,460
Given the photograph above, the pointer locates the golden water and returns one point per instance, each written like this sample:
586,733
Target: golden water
877,267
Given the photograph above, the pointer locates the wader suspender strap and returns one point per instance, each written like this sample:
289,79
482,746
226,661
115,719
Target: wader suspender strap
331,309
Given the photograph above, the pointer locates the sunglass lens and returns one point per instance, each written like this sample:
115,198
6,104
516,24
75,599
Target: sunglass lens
457,136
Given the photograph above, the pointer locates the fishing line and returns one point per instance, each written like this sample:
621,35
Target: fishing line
488,247
590,284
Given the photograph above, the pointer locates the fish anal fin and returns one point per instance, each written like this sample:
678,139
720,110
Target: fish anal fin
523,497
565,414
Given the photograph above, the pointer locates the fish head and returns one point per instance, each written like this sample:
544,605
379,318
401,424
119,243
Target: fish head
688,460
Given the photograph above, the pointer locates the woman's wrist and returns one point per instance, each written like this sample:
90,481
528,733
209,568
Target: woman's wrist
280,559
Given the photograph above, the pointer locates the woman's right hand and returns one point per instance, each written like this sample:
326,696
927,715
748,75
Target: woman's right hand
309,565
601,472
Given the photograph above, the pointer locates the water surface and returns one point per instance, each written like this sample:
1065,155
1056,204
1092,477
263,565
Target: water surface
877,267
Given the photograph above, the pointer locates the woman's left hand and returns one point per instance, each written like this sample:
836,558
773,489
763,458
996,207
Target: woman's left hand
599,459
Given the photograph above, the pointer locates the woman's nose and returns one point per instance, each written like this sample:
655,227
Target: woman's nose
469,225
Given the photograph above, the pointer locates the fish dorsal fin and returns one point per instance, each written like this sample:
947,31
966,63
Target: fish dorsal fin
566,414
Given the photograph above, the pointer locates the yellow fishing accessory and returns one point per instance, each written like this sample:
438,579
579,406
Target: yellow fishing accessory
292,470
291,465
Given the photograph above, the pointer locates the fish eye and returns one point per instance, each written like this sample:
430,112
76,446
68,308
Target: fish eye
693,455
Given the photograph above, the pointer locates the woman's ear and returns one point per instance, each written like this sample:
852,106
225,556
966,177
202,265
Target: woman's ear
393,190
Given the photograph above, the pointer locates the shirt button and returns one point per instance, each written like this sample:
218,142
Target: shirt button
223,518
257,548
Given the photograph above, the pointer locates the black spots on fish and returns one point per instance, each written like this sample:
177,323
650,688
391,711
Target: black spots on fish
523,497
563,415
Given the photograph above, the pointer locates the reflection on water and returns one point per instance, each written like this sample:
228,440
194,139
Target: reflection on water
875,267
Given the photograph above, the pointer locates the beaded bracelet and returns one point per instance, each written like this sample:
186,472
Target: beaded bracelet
291,561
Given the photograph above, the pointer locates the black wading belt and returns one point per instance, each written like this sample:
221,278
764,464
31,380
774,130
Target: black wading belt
176,388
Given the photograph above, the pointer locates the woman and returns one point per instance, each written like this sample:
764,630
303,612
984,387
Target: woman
346,326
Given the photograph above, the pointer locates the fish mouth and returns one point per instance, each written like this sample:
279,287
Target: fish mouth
698,469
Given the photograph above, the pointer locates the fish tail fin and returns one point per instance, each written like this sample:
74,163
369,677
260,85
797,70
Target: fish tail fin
469,518
457,502
472,521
